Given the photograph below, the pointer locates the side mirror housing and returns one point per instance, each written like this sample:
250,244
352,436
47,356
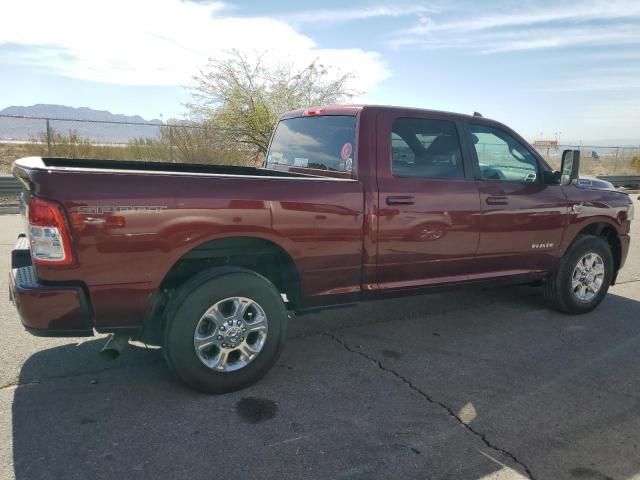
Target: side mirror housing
570,166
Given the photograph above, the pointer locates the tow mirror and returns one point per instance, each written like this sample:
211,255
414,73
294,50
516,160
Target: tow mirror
570,166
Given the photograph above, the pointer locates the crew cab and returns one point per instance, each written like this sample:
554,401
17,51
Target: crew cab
353,203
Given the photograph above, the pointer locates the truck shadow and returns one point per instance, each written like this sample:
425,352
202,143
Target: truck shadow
557,392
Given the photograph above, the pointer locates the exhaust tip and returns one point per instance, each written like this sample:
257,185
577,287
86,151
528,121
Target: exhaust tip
116,343
109,353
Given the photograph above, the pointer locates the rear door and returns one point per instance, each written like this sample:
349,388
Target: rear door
522,218
428,202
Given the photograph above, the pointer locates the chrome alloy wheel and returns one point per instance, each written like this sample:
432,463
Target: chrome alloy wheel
588,276
230,334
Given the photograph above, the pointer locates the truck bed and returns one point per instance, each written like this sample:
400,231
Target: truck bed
132,222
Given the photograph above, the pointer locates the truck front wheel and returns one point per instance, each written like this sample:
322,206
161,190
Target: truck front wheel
583,276
225,329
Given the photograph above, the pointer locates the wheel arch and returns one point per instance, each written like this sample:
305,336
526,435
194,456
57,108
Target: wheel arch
256,254
609,233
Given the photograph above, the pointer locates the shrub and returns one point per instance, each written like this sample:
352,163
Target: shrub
182,144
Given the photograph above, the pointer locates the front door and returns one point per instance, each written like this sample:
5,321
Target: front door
429,203
522,218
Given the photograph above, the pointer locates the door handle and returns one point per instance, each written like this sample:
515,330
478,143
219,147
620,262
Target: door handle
400,200
499,200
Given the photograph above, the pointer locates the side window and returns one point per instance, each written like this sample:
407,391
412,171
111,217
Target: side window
425,148
502,157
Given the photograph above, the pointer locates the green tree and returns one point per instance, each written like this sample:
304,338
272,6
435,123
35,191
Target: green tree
243,95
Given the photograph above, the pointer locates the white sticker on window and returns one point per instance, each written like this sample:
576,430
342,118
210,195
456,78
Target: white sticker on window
301,162
348,164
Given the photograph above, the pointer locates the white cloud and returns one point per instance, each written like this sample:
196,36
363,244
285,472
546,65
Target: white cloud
158,42
595,22
546,38
347,15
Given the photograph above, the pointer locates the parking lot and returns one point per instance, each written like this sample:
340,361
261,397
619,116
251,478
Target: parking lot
472,384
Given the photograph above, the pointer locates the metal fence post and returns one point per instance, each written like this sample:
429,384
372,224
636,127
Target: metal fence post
615,162
48,138
171,143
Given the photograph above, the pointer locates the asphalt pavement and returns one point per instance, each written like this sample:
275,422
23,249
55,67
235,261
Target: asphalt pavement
467,384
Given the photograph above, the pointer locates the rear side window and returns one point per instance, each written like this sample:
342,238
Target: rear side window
322,142
425,148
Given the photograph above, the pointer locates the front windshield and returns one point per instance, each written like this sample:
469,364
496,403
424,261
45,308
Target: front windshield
321,142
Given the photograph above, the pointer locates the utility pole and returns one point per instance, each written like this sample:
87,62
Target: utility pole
171,144
48,138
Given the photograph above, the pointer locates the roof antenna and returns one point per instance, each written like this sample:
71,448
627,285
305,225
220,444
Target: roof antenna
477,114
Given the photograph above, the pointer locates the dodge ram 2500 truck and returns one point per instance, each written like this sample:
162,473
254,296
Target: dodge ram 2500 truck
353,203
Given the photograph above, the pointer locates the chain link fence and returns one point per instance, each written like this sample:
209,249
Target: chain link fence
192,143
597,160
96,139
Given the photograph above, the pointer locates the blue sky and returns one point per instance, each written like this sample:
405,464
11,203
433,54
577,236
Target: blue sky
540,66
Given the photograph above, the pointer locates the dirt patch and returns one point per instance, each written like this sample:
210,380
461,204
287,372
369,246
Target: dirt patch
9,199
9,152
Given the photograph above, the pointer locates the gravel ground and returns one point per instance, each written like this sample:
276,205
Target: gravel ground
471,384
9,199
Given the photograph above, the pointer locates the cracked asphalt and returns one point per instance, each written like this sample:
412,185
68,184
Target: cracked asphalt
467,384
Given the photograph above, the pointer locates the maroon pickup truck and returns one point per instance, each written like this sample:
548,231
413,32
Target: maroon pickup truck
354,203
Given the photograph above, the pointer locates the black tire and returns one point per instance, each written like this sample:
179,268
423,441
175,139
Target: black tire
189,305
558,289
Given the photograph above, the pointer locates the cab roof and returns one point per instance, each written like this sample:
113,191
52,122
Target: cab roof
353,110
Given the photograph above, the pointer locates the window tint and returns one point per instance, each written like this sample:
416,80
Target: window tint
502,157
425,148
324,142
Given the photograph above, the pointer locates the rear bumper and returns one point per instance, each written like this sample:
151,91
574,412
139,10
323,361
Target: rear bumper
47,310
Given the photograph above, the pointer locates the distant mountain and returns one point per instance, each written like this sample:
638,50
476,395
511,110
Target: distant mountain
25,129
82,113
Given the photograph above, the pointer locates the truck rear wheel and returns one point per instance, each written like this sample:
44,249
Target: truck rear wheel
224,330
583,276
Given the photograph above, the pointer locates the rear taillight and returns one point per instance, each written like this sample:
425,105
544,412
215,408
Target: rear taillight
48,233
